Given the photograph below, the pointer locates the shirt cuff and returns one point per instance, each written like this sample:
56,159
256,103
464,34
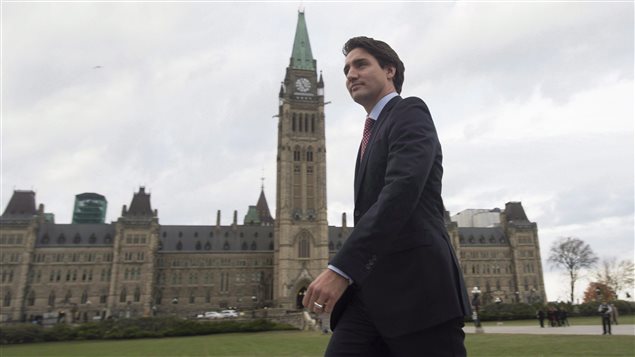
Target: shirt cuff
341,273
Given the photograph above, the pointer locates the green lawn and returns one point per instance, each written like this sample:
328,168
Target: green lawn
296,343
574,321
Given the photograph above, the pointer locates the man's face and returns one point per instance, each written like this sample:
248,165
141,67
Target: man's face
366,81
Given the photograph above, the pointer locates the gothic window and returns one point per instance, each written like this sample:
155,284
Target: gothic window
491,239
198,245
137,294
306,122
61,239
296,154
304,247
31,298
92,239
300,122
309,154
123,295
244,246
253,245
226,245
208,246
313,123
7,299
77,239
179,245
52,298
293,122
481,239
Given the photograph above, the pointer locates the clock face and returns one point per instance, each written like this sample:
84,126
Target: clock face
303,85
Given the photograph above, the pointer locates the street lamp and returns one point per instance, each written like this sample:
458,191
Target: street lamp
476,302
175,301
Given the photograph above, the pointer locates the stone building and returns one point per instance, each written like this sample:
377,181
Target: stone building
135,266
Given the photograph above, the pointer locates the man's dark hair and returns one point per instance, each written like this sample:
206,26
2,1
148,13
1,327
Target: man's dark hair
382,52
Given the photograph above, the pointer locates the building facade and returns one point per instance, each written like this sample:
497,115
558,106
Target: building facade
137,267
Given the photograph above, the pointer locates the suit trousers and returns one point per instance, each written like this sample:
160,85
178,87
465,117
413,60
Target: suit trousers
356,335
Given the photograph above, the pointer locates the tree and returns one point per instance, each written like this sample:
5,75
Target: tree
573,255
617,275
598,292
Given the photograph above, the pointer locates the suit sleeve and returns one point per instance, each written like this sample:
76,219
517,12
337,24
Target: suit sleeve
412,147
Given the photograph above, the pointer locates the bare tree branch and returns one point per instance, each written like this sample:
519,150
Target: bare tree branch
573,255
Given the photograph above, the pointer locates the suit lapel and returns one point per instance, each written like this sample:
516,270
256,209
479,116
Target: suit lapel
360,166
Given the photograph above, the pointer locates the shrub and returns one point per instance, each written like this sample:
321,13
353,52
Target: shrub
131,328
518,311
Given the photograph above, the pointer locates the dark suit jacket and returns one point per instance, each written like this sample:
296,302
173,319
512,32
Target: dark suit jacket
399,254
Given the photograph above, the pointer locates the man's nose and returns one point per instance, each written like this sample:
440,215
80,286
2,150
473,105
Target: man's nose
351,74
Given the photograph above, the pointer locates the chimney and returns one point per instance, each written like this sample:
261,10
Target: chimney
217,218
344,220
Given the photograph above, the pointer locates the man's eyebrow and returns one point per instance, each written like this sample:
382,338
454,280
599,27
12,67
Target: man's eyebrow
355,63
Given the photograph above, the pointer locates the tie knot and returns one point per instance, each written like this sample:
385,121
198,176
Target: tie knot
369,124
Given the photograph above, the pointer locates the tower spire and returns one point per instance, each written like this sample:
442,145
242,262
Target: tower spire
301,56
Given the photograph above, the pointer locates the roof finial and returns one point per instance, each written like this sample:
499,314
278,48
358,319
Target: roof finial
301,7
262,179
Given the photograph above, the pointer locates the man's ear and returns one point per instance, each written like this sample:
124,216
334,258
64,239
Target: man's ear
390,72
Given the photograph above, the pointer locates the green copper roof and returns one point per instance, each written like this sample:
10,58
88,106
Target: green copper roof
301,57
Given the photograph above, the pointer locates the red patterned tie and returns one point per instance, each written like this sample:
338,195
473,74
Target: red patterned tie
368,128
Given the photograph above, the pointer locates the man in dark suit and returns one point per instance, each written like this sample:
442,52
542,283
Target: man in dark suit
395,287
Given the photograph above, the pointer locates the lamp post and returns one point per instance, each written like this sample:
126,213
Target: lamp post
175,301
476,302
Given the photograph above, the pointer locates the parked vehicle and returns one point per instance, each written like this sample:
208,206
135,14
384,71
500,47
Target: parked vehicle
229,313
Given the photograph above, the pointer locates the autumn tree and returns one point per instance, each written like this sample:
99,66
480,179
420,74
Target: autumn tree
598,292
617,275
573,255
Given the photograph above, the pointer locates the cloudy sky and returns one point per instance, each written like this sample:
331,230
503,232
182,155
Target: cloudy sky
533,102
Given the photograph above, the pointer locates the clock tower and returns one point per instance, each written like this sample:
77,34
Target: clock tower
301,229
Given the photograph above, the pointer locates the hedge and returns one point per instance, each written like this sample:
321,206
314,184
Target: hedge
150,327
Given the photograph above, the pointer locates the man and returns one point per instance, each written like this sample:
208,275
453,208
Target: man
605,310
395,287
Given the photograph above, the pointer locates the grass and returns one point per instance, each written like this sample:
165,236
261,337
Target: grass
573,321
298,344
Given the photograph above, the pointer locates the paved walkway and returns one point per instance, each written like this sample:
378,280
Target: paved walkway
569,330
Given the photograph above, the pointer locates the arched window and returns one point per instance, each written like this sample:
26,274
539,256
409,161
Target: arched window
304,247
198,245
123,295
254,246
313,123
300,122
31,298
137,294
179,245
52,298
7,299
226,245
61,239
208,246
309,154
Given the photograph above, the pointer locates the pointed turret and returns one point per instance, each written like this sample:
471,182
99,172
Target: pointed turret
301,57
320,86
21,205
140,205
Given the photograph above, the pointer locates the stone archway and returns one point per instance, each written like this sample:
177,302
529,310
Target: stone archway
299,297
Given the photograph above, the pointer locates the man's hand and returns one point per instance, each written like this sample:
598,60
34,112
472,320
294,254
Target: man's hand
324,292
